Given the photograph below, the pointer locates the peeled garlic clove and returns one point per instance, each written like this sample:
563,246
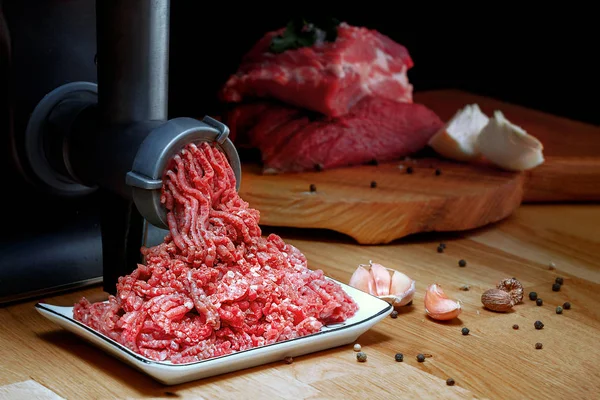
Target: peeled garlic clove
457,139
439,306
382,279
509,146
402,289
361,279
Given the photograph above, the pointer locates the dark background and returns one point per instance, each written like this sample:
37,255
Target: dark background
534,60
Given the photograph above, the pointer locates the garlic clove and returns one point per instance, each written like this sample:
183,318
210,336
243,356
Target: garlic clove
457,139
361,279
509,146
394,287
402,288
382,279
439,306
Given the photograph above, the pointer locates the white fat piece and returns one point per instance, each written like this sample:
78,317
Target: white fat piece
457,139
509,146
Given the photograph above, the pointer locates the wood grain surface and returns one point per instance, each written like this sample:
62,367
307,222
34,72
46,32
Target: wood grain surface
493,361
462,197
465,196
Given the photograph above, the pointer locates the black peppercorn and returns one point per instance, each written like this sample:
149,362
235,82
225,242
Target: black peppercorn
559,280
409,170
538,324
462,263
539,302
420,358
373,184
394,314
313,187
373,162
515,326
399,357
450,382
532,295
361,356
438,172
556,287
559,310
538,346
440,249
318,167
567,306
443,245
465,331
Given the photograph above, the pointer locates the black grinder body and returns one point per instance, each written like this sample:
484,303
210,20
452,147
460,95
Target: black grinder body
86,155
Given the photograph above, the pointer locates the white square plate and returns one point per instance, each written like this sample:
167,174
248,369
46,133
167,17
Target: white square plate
371,310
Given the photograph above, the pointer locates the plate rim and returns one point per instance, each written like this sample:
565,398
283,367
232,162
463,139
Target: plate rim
139,358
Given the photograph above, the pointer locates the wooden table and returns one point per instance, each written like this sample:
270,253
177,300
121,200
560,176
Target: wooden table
493,361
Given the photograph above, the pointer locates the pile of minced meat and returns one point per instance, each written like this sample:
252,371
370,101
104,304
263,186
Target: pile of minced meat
214,286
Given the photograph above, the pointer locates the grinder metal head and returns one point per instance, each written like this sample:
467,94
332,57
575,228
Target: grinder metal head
159,147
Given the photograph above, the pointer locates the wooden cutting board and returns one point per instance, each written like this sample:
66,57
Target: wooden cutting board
462,197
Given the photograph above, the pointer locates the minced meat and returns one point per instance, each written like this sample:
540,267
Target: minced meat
215,285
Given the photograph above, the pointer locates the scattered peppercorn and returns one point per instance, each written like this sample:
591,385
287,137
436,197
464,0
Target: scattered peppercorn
313,187
532,295
318,167
538,346
539,302
559,310
288,360
462,263
440,249
567,306
556,287
357,347
538,324
420,358
438,172
394,314
559,280
373,184
399,357
450,382
361,356
409,170
515,326
374,162
443,245
465,331
465,287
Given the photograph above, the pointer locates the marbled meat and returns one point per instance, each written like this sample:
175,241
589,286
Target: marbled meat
327,77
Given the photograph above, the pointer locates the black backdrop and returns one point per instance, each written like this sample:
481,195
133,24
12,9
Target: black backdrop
547,66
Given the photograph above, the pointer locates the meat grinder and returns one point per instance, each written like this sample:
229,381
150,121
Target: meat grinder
99,149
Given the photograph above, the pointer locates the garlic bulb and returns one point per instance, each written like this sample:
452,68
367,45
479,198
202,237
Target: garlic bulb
439,306
390,285
457,139
509,146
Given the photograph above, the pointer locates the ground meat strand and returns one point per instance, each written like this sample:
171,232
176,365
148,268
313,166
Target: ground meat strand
215,285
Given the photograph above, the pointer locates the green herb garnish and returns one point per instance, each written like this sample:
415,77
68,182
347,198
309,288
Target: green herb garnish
303,32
